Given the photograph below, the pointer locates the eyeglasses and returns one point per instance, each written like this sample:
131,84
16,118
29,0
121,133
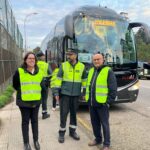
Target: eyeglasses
31,58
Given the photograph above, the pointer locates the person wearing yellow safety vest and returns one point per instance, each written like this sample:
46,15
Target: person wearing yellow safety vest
53,86
46,74
28,82
71,77
101,91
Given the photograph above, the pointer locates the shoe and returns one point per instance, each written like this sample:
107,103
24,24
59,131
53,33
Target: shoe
27,146
36,145
61,139
93,143
106,148
45,115
57,106
75,136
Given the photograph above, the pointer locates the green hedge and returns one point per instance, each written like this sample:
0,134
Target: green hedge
6,96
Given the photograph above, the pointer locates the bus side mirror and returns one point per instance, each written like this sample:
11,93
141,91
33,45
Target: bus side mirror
145,27
69,26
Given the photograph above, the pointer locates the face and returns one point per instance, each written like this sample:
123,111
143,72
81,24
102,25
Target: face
42,57
71,57
98,60
30,61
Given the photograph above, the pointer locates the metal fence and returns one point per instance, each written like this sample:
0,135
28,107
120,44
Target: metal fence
11,44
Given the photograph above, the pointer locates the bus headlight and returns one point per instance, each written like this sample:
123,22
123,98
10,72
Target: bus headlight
134,87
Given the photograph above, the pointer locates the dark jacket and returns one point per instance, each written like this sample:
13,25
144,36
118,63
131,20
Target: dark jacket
17,87
112,87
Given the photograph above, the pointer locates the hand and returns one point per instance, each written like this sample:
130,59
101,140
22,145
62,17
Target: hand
107,105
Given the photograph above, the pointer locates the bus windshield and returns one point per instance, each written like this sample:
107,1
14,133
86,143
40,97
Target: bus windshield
107,36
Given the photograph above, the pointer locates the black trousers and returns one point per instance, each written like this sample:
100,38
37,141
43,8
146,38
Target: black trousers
44,94
28,114
68,104
100,120
54,102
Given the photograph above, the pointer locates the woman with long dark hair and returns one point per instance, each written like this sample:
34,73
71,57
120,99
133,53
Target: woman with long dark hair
27,81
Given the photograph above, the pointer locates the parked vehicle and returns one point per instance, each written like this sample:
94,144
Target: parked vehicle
144,70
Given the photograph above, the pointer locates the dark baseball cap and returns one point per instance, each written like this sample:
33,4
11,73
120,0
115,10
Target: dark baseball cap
71,51
39,54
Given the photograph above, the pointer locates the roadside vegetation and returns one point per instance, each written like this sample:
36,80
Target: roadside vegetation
143,46
6,96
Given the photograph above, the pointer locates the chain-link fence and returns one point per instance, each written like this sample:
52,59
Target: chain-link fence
11,44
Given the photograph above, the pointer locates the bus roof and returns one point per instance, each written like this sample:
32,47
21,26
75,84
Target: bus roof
97,11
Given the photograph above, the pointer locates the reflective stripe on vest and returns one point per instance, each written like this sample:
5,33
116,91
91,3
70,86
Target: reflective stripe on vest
101,85
72,74
30,85
44,67
84,83
58,82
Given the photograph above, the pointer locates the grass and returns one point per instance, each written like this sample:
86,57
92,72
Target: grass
6,96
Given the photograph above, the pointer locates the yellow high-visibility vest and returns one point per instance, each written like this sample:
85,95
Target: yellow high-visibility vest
101,93
30,85
53,81
44,67
72,74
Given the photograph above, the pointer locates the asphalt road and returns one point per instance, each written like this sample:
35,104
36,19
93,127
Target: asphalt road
129,122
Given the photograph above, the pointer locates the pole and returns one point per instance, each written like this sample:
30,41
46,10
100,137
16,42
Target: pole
25,37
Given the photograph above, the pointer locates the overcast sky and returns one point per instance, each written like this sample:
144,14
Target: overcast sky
49,12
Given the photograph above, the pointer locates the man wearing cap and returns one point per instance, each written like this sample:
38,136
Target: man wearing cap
46,73
71,77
